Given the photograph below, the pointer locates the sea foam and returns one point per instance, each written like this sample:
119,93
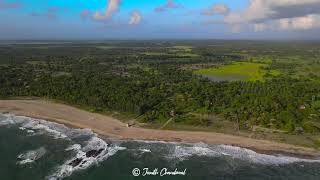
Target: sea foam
31,156
180,151
186,151
94,143
60,131
56,130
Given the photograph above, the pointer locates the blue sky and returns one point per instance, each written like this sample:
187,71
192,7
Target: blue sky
152,19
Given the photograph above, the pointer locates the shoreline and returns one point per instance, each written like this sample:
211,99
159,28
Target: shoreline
110,127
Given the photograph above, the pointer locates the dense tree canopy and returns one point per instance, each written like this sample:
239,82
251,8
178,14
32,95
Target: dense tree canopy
158,87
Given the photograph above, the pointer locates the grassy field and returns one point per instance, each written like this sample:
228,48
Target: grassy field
187,55
179,54
183,48
154,54
106,47
179,51
248,70
263,61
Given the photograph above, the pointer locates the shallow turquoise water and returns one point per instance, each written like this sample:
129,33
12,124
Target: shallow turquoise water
45,149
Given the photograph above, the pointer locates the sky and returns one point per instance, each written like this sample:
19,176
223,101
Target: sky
159,19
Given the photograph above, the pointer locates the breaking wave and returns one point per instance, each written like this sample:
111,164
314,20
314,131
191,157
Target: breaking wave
143,150
91,152
95,151
56,130
183,152
31,156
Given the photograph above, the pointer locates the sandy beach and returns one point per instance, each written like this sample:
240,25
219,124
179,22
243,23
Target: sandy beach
111,127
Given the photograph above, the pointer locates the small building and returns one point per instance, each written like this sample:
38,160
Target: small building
302,107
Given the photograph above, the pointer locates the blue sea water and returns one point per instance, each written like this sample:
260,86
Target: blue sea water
34,149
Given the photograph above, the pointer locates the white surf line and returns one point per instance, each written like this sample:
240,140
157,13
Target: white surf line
183,152
31,156
82,160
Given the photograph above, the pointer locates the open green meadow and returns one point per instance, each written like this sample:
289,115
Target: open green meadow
248,71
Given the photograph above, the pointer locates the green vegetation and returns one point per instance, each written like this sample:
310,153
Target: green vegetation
171,54
187,55
154,54
272,88
105,47
183,48
274,72
249,71
265,61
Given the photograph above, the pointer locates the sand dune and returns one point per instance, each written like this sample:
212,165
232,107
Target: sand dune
108,126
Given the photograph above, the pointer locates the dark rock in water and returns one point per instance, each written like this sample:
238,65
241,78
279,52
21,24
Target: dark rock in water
94,153
109,143
83,162
75,162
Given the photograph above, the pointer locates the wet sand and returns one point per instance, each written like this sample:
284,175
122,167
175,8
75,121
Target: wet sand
113,128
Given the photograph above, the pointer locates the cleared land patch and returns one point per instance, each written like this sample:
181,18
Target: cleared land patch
183,48
178,54
238,71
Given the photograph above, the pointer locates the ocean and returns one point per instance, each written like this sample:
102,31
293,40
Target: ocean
34,149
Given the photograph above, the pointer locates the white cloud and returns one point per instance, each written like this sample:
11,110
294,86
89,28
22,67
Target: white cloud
278,15
260,10
260,27
170,4
112,7
300,23
9,5
216,9
236,28
135,18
